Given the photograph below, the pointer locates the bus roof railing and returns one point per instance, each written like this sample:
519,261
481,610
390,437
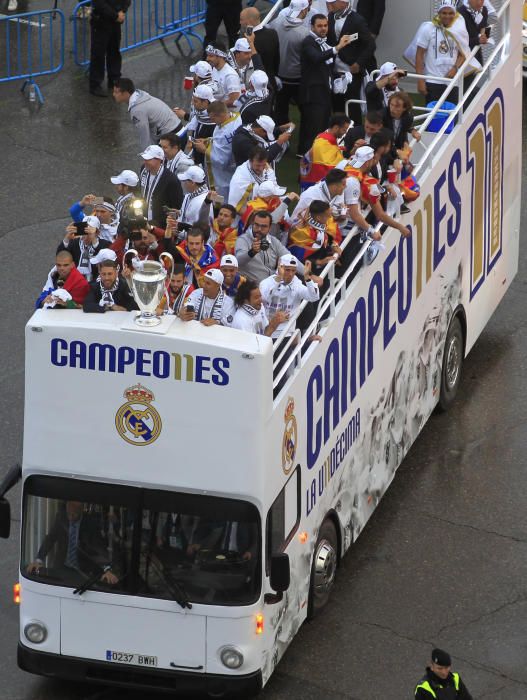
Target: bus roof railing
283,363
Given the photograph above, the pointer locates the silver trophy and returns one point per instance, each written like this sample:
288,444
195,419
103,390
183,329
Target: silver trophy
148,284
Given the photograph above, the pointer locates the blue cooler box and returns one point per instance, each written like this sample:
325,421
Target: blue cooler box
440,118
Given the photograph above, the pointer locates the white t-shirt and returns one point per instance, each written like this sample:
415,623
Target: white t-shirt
227,309
228,81
252,323
319,191
278,296
352,191
441,50
243,179
221,157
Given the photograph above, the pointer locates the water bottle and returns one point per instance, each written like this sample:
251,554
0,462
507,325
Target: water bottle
32,93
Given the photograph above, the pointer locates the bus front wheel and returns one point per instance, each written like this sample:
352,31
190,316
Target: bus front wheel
323,568
452,363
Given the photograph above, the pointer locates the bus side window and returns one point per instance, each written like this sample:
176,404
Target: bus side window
284,516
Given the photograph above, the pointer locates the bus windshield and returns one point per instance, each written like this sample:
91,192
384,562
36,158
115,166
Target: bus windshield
121,539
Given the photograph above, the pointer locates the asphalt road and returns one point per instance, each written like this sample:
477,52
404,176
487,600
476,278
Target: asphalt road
444,559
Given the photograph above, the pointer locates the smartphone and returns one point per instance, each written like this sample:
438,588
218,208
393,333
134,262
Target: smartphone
290,129
81,227
402,73
98,200
249,31
190,308
353,37
487,32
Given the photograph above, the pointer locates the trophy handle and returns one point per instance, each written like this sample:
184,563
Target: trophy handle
134,253
162,257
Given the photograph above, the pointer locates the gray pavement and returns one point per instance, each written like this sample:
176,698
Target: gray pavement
444,559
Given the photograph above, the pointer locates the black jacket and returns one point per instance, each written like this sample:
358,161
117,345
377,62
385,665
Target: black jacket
167,193
122,297
106,10
443,689
374,97
359,51
74,248
353,134
373,13
255,107
407,123
267,45
474,29
316,77
243,143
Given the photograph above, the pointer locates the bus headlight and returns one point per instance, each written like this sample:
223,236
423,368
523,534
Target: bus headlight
35,632
231,657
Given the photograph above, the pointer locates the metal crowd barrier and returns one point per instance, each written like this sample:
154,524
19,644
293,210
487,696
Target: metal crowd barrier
146,21
32,48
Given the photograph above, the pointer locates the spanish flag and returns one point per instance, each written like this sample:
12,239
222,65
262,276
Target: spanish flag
259,204
225,240
369,186
324,155
304,240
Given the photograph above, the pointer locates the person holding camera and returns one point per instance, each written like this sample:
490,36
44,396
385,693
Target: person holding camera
257,252
209,305
110,292
146,240
83,242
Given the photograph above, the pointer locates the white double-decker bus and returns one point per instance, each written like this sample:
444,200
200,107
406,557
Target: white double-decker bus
180,518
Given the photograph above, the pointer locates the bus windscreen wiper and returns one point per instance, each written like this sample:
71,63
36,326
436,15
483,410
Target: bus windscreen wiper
178,592
90,581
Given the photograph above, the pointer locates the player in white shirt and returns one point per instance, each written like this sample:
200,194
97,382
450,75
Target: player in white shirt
224,74
329,190
193,182
247,176
209,304
250,315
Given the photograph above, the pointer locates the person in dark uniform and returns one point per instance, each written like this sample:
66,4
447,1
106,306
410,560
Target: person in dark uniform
317,58
440,682
110,292
373,13
218,11
106,20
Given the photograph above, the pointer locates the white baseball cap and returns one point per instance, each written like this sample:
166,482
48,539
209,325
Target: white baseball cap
126,177
288,260
228,261
102,255
202,69
452,4
204,92
268,125
362,155
242,45
194,173
259,81
387,69
296,7
269,188
93,221
215,275
153,152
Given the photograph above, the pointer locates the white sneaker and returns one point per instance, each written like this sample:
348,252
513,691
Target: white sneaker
12,5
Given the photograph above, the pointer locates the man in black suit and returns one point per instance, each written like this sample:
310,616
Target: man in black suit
373,13
74,542
159,186
110,292
356,57
317,59
265,42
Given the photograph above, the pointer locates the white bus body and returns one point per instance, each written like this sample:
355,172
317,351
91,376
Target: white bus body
320,455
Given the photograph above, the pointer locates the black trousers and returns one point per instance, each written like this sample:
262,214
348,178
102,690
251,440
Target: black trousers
227,11
284,97
105,45
435,90
314,119
352,93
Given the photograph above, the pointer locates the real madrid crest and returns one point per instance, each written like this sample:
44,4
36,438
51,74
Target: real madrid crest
137,421
289,440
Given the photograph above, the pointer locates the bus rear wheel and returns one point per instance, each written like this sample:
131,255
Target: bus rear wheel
452,364
323,568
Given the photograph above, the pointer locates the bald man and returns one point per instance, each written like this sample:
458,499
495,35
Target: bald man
265,42
63,276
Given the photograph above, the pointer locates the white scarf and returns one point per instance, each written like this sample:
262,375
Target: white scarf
324,46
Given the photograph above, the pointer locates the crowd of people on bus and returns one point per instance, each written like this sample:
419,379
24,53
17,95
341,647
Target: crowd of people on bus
247,253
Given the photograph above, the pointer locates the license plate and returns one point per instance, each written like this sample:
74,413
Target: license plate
123,657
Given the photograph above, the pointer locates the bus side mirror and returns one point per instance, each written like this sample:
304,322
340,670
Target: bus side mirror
5,518
280,577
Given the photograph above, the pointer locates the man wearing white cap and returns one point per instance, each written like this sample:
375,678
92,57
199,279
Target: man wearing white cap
231,275
437,51
196,191
202,71
105,212
223,73
269,196
110,292
150,115
159,187
261,133
176,160
285,292
250,315
253,172
209,304
200,125
219,156
257,101
240,57
125,183
379,91
84,247
292,27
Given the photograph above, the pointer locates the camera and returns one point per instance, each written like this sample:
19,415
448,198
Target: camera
264,243
132,220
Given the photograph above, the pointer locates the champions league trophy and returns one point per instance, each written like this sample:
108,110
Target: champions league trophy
148,284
